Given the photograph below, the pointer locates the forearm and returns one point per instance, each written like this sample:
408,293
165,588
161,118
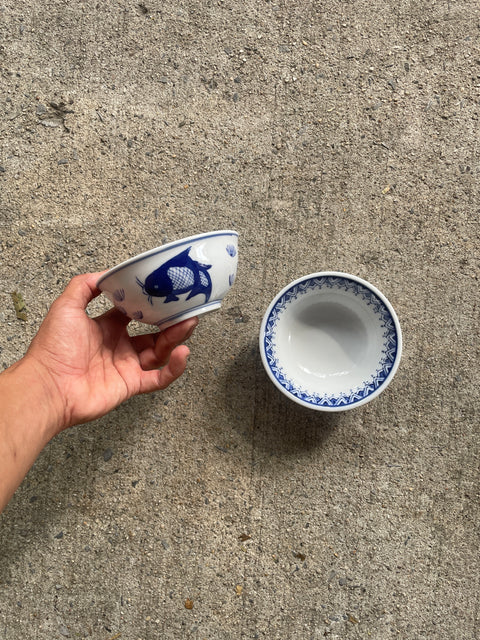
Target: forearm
28,420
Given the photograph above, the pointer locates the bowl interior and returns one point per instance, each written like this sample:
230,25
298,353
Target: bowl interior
330,341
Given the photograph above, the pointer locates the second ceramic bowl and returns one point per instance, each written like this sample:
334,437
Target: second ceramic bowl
330,341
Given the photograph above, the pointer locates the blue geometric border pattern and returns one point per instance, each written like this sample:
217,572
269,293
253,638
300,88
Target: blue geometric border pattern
389,347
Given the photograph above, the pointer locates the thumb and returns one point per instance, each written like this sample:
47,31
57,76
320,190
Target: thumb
82,289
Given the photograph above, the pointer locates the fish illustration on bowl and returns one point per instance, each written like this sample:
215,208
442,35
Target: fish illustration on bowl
180,275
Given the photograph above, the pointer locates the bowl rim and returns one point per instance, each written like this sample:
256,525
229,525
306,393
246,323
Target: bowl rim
162,248
346,276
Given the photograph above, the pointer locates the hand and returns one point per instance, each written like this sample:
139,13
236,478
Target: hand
91,366
75,370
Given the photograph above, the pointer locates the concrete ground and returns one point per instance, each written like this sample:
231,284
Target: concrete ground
330,135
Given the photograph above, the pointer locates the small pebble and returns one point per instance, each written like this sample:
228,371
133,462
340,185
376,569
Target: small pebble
107,454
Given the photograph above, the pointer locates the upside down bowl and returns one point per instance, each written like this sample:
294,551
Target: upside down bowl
175,281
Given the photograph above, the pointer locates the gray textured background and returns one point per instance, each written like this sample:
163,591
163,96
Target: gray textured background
331,135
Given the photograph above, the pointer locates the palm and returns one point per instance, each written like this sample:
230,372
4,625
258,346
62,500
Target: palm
101,364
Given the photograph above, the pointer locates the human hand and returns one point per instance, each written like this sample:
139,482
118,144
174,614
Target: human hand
91,365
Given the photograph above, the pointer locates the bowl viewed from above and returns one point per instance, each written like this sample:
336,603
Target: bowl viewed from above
330,341
176,281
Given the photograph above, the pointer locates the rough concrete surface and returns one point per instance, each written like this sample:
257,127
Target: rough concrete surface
332,135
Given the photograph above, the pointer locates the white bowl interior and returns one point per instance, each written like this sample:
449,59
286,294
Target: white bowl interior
330,341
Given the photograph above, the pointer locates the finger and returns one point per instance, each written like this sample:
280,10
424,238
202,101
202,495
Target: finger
167,340
149,340
161,379
142,342
148,359
175,367
154,355
144,347
82,289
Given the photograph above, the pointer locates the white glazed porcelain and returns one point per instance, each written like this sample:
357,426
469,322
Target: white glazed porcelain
176,281
330,341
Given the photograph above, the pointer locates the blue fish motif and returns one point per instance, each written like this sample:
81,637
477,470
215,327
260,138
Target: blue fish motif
181,274
231,250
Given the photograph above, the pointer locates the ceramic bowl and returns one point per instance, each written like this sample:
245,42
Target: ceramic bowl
176,281
330,341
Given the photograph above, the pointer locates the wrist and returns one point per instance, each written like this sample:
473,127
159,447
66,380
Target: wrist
33,396
30,416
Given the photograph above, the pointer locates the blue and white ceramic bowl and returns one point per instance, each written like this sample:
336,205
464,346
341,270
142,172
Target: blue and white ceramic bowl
176,281
330,341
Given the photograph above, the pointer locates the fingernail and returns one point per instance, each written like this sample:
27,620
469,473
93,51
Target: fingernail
192,329
190,332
